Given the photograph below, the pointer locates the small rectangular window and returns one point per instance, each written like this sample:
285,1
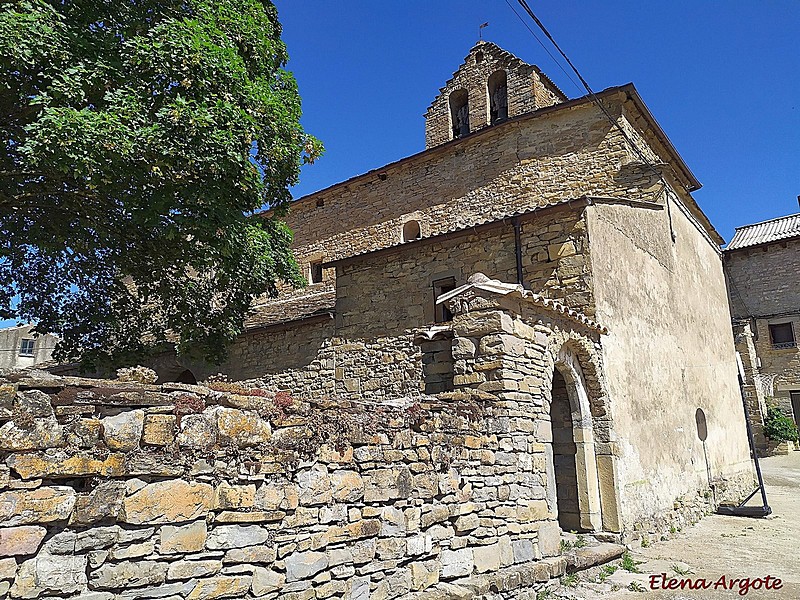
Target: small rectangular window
441,313
26,348
782,335
316,272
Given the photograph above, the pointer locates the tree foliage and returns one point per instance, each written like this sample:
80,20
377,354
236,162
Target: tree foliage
135,139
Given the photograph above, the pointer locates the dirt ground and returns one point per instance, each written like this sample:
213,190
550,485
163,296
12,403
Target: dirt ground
735,547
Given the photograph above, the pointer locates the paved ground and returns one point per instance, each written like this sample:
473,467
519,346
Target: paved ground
731,546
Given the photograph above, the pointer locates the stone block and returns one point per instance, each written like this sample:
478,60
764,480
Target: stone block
456,563
20,541
229,497
487,558
35,403
65,463
44,433
196,431
524,551
557,251
477,324
242,429
95,538
226,537
187,569
129,574
314,486
266,581
304,565
45,574
42,505
8,567
104,502
123,432
463,348
347,486
133,551
351,531
167,502
424,574
549,538
221,587
250,554
159,430
249,516
467,523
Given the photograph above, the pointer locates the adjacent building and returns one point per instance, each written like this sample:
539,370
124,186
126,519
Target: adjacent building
762,266
21,348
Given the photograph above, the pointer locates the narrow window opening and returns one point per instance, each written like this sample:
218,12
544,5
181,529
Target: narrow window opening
441,313
782,335
26,348
316,272
459,111
411,231
498,97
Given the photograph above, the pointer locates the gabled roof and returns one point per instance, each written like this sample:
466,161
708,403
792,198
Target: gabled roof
765,232
298,305
480,282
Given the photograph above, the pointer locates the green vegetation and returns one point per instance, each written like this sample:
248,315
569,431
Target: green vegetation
628,563
570,580
136,138
778,427
635,586
606,571
680,570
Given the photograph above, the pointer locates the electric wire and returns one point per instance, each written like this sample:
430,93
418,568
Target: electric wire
635,147
542,44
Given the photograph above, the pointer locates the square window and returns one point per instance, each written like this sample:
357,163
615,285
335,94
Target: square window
782,335
441,313
26,348
316,272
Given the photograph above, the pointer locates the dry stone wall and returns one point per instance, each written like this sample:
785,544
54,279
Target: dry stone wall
113,489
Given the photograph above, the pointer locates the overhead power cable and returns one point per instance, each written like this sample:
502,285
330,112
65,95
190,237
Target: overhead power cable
542,44
633,145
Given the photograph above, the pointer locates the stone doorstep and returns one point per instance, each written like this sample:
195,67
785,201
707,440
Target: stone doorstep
590,556
510,578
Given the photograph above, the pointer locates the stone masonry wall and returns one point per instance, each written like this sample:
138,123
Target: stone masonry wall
369,352
513,167
764,282
783,363
114,489
527,90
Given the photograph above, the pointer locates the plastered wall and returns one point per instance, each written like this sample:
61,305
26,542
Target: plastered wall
669,351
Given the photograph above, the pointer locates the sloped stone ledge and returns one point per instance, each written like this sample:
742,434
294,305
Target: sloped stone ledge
528,577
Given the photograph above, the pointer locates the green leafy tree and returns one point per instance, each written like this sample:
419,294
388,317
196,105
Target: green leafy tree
135,139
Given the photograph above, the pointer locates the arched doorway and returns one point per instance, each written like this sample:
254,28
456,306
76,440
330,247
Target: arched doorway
186,377
574,466
564,450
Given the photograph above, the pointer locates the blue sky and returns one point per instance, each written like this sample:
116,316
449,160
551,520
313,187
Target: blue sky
720,77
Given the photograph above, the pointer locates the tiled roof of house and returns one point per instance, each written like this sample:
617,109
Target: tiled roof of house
317,299
765,232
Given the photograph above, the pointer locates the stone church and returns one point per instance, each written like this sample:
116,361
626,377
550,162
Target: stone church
546,251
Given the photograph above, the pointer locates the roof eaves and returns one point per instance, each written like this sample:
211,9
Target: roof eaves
443,148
